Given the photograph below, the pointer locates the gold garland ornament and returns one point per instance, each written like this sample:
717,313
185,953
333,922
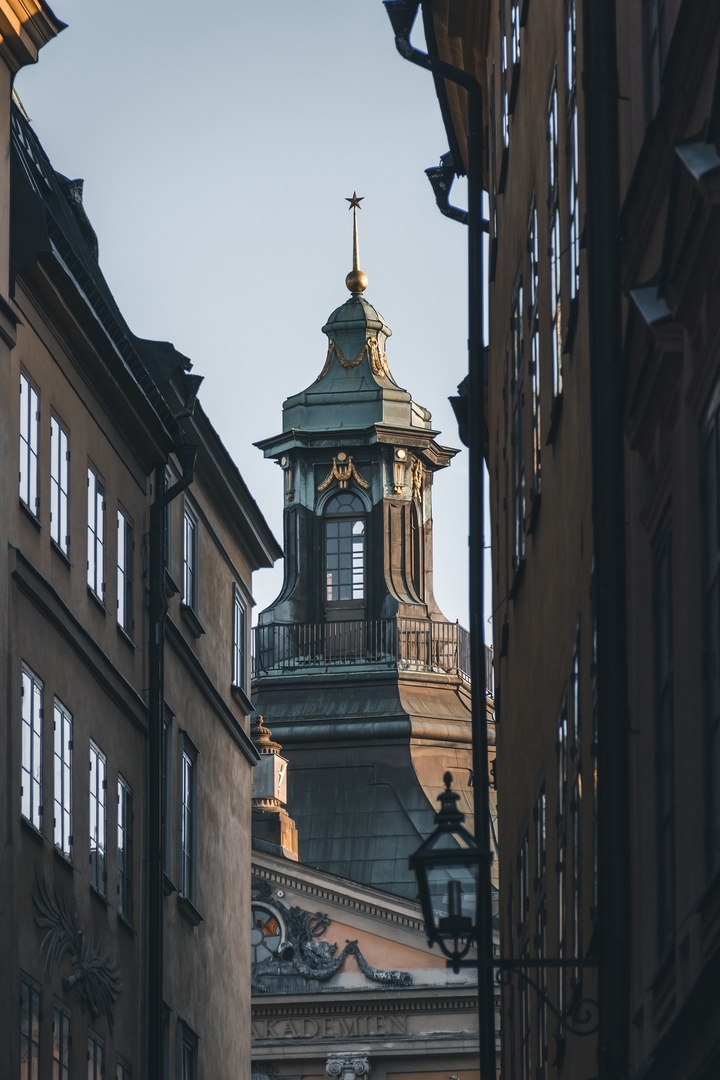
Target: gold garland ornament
343,471
378,362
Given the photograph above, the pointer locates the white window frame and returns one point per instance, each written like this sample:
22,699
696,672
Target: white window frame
31,790
240,650
29,442
555,257
97,795
59,485
96,535
187,819
190,557
124,849
125,550
62,794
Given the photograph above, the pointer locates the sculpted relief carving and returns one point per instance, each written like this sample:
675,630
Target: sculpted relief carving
95,979
287,941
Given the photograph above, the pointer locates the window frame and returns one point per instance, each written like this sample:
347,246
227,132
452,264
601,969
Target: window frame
540,941
517,407
240,641
98,821
61,1025
534,371
122,1069
30,1037
96,534
125,850
190,557
29,446
125,558
187,1041
357,582
187,819
31,764
96,1045
573,161
555,257
59,486
63,779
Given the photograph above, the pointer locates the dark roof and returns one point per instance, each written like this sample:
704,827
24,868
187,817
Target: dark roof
47,216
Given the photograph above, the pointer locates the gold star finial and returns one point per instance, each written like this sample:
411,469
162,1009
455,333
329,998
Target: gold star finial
356,280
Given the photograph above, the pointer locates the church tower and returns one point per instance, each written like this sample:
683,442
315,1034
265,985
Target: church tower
357,673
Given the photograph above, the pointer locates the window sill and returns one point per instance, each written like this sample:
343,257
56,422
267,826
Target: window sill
555,414
63,859
517,579
97,600
534,511
242,699
124,921
35,518
170,585
191,620
60,553
123,634
188,911
168,887
571,326
33,830
98,895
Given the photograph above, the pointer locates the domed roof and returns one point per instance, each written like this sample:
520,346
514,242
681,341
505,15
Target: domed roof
355,314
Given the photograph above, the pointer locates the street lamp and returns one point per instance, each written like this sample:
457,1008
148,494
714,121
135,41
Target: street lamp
447,867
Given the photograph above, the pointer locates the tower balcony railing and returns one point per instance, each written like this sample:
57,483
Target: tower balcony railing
402,643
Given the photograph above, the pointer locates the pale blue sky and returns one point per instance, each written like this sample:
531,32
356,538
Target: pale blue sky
218,142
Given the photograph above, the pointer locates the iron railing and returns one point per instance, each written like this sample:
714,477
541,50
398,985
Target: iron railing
410,644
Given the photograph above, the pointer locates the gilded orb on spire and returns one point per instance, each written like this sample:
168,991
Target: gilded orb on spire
356,280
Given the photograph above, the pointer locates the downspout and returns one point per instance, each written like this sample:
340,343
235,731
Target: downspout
156,710
600,83
402,15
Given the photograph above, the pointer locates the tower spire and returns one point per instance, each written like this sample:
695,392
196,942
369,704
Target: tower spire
356,280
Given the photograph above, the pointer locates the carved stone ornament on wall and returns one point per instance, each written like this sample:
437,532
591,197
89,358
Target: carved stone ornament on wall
302,953
95,979
378,361
348,1066
417,478
343,470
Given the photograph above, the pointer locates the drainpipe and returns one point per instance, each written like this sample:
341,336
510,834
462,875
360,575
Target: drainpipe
600,83
156,709
402,16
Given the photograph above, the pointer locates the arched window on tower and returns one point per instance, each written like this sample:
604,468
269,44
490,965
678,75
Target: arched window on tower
344,548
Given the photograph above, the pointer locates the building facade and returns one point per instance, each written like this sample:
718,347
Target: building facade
97,426
600,168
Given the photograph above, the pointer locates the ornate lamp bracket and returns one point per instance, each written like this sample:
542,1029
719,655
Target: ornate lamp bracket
581,1017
